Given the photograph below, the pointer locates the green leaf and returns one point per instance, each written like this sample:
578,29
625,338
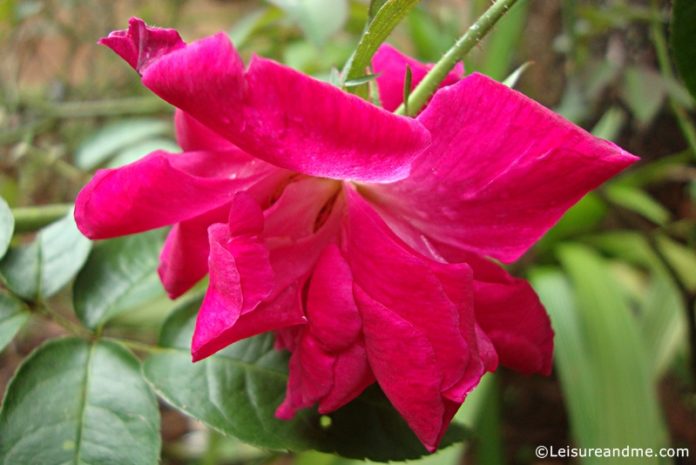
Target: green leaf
582,217
638,201
361,80
247,26
387,18
683,38
408,80
620,370
657,170
681,257
72,402
112,138
237,391
644,91
6,226
13,316
662,323
511,80
610,124
570,353
430,37
471,412
113,273
318,19
42,268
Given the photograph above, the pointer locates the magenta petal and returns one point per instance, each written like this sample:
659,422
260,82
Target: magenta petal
425,361
241,278
158,190
280,115
192,135
141,44
406,283
331,309
210,335
351,374
331,379
510,313
390,66
405,366
184,257
293,255
222,305
501,171
513,317
246,216
295,213
310,377
329,365
324,131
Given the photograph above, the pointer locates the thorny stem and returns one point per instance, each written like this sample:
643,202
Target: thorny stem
464,44
662,52
29,219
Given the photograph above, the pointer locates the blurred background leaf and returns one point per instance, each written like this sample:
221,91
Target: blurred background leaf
683,38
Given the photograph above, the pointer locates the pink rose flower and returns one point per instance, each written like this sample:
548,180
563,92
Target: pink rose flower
360,237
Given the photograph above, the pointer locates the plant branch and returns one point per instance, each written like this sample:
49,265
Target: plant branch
464,44
67,324
28,219
136,345
50,112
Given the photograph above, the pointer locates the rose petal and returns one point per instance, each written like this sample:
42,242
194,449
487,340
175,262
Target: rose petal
241,278
404,363
352,375
296,211
282,311
333,316
282,116
192,135
184,257
332,379
310,377
425,361
157,190
390,66
141,44
501,171
406,283
510,313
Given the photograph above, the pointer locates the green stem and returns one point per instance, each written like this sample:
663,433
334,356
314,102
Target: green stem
136,345
437,74
51,112
100,108
67,324
29,219
211,456
665,64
